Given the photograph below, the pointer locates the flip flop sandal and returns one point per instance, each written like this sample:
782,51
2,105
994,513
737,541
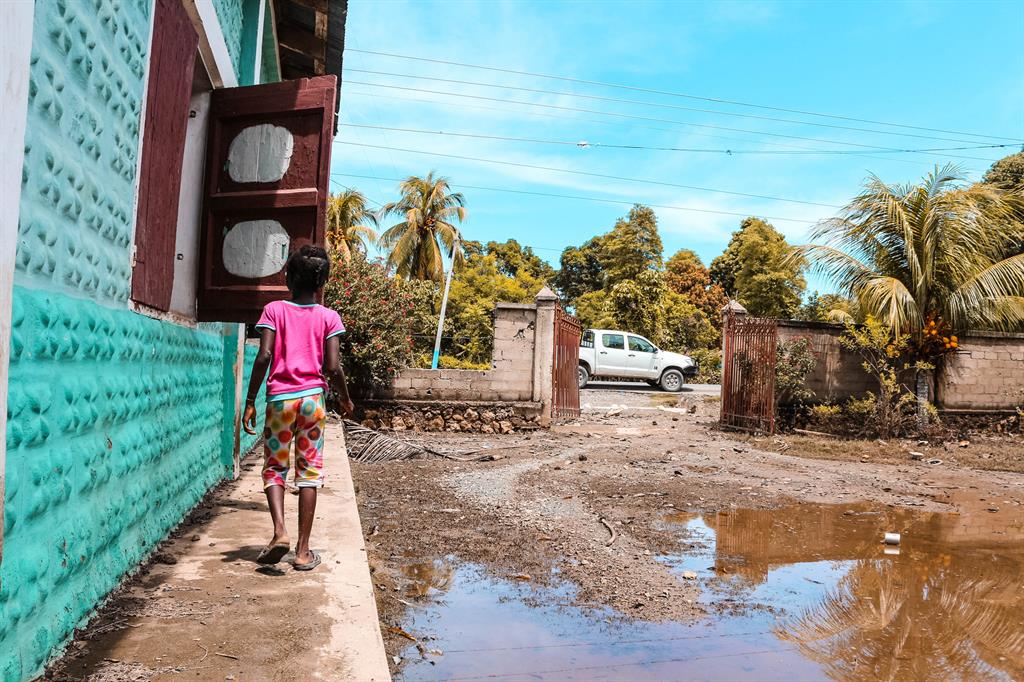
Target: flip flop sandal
309,566
272,554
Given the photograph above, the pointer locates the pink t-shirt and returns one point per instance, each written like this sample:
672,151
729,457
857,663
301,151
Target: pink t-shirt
298,361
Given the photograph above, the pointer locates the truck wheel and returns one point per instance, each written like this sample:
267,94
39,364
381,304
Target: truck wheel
672,380
582,376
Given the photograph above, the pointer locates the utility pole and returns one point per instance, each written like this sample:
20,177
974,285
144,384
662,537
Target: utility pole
444,303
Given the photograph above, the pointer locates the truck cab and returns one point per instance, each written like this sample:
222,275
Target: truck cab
614,354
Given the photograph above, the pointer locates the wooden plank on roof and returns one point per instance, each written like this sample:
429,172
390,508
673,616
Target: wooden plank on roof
316,5
300,40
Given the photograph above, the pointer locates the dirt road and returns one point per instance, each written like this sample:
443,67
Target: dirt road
604,504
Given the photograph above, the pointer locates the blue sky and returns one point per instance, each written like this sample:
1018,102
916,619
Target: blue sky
943,65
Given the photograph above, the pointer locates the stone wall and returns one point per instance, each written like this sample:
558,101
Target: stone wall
488,417
987,373
515,363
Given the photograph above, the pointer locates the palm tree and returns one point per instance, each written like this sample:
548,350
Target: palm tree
938,249
348,223
418,243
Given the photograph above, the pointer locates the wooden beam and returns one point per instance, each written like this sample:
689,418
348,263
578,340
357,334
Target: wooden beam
300,40
320,25
315,5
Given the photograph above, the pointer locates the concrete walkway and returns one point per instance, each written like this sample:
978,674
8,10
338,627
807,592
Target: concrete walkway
207,611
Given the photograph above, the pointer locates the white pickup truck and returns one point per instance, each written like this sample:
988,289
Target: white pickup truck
610,354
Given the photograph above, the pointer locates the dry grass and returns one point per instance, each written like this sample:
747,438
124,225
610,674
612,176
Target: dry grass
989,452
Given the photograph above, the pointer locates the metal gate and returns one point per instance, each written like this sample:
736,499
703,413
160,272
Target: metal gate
748,373
565,381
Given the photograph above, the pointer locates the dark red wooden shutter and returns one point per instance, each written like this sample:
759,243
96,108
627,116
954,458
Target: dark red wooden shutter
257,208
171,65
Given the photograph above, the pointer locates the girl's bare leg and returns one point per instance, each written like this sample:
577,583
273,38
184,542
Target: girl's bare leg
275,500
307,510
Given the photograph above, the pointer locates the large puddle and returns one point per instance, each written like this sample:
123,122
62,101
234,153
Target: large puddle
801,593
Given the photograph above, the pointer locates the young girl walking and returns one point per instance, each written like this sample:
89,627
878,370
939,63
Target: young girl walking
299,343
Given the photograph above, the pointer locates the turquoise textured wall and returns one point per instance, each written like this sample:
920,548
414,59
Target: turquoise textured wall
81,147
113,435
231,15
248,442
115,420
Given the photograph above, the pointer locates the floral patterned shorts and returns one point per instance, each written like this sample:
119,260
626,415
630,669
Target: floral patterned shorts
300,420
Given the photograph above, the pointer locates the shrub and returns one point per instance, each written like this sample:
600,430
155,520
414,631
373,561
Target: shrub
709,365
894,409
381,314
794,360
423,361
450,362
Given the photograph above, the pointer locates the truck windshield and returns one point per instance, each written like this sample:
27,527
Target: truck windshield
642,345
613,341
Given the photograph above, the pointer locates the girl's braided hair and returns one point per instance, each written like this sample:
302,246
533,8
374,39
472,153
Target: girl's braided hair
307,269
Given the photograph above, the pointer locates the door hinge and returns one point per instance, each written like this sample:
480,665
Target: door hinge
135,251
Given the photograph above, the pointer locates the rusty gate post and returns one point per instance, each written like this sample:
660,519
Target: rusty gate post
730,311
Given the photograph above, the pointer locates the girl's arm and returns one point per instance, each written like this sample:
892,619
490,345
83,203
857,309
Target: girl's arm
259,373
336,375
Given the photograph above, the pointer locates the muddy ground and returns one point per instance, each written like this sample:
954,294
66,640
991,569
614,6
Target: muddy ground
588,501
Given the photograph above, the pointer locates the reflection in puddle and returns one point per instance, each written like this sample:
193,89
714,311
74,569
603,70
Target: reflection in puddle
805,592
427,578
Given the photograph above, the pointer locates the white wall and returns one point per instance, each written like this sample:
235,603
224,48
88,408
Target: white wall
190,208
15,48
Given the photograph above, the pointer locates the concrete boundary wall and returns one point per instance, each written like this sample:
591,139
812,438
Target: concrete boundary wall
521,364
986,374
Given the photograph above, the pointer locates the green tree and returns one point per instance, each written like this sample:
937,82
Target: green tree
645,305
350,223
687,327
725,266
593,311
827,308
581,271
686,275
758,270
1007,172
381,314
419,244
513,258
936,249
638,304
632,247
479,284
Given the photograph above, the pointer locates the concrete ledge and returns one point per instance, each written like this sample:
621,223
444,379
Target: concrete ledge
209,594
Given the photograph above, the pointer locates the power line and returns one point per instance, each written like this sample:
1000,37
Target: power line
644,118
679,94
614,642
481,107
603,176
381,204
533,673
585,144
664,106
596,199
